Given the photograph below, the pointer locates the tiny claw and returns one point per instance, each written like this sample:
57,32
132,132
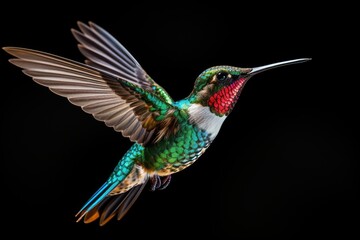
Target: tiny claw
155,182
165,182
159,183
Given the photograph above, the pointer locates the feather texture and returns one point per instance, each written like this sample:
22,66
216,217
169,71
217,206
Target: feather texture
113,205
104,52
120,104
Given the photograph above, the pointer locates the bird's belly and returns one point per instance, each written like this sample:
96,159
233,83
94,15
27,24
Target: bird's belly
180,164
178,152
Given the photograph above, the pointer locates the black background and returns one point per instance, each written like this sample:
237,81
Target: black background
284,164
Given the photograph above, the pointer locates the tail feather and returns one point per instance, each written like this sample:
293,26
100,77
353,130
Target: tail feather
119,204
114,197
97,198
110,206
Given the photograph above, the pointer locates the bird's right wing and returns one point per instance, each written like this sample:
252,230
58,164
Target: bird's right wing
139,114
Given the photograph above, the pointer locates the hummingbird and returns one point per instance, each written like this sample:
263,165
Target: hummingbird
168,136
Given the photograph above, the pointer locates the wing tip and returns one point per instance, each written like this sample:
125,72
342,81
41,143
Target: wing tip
20,52
15,61
93,25
80,23
74,31
11,50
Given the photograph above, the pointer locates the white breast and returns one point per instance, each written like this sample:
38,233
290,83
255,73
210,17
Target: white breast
205,119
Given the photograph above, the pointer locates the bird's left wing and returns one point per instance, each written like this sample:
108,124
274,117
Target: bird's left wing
104,52
141,115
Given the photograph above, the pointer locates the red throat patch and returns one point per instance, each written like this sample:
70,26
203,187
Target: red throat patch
224,100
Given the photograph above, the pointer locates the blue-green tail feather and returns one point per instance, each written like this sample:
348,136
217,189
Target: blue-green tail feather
96,198
121,171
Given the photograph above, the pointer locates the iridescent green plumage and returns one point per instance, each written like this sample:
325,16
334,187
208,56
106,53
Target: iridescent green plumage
168,136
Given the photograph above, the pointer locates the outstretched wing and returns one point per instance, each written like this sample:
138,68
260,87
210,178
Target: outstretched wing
104,52
125,105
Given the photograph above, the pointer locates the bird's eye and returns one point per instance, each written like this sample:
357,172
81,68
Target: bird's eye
221,76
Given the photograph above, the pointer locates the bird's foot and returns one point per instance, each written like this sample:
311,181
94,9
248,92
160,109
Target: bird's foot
159,183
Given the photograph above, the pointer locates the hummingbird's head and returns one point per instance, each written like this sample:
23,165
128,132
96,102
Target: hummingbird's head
219,87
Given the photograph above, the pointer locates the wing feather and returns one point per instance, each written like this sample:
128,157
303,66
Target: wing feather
101,48
103,51
109,98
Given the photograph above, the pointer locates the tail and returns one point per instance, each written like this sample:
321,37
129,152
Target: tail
114,197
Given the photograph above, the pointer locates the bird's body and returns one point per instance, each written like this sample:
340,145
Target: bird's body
168,135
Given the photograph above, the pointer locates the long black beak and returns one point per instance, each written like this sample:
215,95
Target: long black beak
257,70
